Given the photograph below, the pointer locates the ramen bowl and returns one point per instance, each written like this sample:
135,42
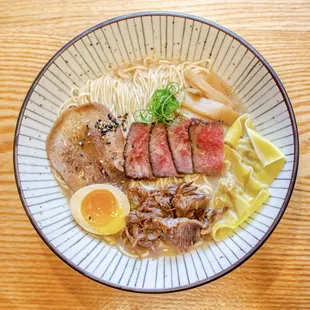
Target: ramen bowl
123,40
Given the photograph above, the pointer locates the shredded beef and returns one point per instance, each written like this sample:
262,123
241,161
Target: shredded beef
177,214
182,233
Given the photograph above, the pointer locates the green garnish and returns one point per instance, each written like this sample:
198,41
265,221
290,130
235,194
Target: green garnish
162,107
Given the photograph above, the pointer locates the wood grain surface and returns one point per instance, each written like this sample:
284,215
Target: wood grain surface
32,277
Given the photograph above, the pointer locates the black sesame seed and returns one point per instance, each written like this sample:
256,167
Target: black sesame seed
125,129
110,116
132,145
108,143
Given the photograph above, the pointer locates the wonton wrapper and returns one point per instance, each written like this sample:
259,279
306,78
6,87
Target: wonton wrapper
248,178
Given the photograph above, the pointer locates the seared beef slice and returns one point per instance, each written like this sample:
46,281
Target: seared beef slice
207,140
178,138
137,162
160,155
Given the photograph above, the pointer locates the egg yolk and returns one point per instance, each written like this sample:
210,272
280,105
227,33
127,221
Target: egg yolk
99,207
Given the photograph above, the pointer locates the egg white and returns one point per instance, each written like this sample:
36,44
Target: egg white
116,224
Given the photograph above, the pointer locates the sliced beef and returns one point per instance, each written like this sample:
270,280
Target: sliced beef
181,232
179,142
160,155
77,150
207,140
137,162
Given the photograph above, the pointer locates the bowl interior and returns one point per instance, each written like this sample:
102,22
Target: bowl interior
119,41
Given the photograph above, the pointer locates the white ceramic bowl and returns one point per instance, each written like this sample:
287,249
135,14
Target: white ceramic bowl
121,40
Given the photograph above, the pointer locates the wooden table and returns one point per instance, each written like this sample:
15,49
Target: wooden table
32,277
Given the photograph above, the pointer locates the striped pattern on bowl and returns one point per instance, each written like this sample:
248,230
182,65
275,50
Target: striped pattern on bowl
122,40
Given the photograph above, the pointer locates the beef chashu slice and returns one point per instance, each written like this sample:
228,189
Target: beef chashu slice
77,151
207,141
160,154
179,142
136,153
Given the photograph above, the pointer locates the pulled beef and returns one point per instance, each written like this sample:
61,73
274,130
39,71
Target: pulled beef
182,233
140,230
177,214
211,217
152,201
188,202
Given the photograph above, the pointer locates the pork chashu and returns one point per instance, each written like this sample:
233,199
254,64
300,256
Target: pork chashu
80,153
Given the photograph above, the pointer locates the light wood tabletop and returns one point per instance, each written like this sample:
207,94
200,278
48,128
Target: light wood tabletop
32,277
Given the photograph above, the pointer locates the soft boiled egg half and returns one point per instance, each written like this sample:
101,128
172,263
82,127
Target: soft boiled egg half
100,208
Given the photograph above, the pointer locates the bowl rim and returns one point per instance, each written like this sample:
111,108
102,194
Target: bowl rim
285,201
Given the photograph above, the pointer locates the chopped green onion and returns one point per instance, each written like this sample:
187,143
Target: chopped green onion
162,107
